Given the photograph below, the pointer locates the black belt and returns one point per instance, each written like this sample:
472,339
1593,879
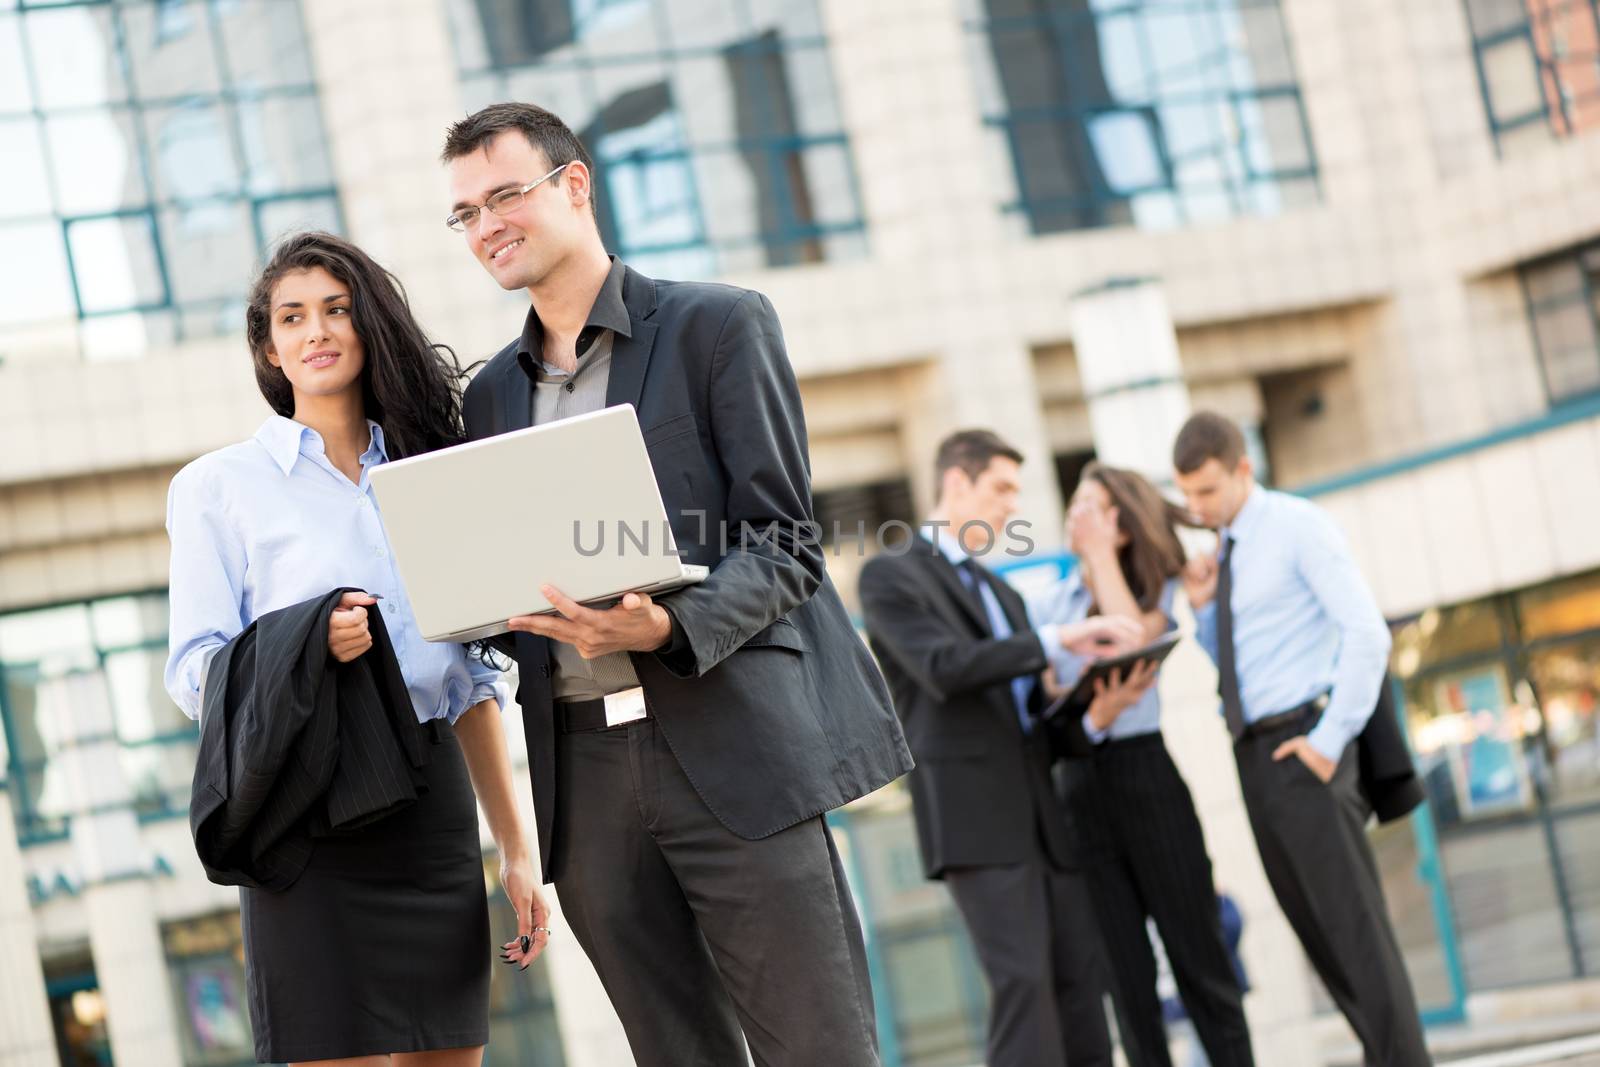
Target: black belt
580,716
1292,717
1152,739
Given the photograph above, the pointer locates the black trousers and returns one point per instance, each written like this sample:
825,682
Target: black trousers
1313,842
1034,931
1145,857
704,940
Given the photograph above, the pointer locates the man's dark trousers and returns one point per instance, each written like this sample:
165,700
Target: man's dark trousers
1313,842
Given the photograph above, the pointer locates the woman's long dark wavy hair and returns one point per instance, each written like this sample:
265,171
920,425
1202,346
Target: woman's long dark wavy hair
410,386
1153,552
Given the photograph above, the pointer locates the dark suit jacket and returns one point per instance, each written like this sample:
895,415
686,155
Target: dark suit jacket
1388,777
981,791
295,745
774,708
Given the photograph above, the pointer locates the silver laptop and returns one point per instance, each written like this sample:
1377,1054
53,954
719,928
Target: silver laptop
478,528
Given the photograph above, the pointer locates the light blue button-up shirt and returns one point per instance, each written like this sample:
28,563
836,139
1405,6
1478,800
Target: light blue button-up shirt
999,625
1304,620
270,522
1068,601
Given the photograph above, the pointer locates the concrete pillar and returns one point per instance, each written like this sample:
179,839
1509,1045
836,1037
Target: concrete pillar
124,936
1133,383
27,1038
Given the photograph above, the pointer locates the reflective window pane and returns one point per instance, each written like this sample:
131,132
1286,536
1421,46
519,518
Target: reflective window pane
716,127
284,146
15,92
278,217
1563,296
94,156
116,263
83,68
264,44
24,182
35,282
147,143
209,249
1536,63
1144,114
169,48
139,700
191,152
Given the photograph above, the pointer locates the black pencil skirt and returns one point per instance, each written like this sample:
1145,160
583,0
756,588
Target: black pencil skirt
383,943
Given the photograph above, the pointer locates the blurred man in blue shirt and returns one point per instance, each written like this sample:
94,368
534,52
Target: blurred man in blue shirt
1300,648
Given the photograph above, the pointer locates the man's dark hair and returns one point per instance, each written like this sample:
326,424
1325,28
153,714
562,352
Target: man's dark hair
1207,435
543,129
972,451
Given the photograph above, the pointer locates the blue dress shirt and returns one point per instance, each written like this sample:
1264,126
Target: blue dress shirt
269,522
999,625
1304,621
1068,601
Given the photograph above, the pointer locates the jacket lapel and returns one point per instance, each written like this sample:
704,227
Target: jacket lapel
630,356
945,573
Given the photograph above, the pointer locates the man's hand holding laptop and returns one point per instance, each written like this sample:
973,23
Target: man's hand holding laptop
634,624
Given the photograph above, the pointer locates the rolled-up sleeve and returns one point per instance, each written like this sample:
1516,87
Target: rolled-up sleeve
207,581
487,683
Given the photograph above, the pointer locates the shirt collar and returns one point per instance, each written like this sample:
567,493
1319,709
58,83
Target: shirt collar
948,543
287,440
1250,512
609,312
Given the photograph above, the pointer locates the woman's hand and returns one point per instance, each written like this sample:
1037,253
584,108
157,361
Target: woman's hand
533,917
1092,531
348,636
1114,695
1101,635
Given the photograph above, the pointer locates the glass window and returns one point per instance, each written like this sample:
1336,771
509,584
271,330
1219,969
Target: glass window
119,644
1538,65
169,50
274,218
34,280
1153,115
205,959
210,249
115,262
94,157
1563,297
282,138
74,57
716,129
1567,678
16,94
150,136
24,187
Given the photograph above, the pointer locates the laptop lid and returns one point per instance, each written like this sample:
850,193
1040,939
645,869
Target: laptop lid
476,529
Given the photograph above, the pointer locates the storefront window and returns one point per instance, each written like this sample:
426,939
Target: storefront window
1501,699
522,1013
205,958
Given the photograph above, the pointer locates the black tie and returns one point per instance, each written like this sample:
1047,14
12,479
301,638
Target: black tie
1227,668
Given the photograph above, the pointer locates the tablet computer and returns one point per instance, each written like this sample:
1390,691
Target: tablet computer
1082,692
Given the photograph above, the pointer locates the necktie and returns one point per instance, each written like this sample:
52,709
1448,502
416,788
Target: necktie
1227,666
977,580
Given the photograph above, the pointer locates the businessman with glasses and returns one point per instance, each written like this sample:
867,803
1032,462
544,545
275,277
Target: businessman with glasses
686,837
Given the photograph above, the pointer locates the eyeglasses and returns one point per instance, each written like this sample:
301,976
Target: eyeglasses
506,200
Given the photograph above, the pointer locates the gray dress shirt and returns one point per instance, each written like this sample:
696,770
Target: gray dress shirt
559,395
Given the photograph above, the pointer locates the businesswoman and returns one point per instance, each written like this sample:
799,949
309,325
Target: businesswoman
1144,851
380,949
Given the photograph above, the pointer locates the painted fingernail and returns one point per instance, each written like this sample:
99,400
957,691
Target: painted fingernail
525,942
